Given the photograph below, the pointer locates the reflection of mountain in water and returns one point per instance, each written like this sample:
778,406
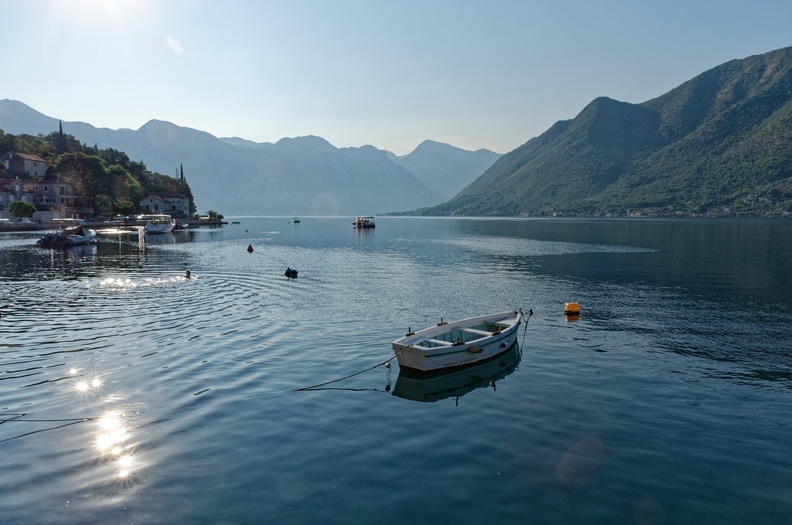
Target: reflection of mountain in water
457,383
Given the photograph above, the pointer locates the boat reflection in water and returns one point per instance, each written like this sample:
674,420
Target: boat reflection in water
456,383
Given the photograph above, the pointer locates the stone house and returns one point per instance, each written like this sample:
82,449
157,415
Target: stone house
24,165
54,196
174,204
13,190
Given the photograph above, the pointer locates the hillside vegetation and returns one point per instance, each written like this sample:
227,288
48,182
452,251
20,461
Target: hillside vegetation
110,182
719,144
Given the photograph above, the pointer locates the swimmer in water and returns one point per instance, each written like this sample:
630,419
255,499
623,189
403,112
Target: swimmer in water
187,274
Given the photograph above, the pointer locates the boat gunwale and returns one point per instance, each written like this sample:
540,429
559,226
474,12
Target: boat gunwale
432,331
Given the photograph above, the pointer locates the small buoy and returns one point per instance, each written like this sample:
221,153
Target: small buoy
250,248
572,309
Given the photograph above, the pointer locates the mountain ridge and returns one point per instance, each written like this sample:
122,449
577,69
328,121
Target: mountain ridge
299,175
717,144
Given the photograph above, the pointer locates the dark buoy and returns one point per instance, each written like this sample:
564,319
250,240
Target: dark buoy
291,273
250,248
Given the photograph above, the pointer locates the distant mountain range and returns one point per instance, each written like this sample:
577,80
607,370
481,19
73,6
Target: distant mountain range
295,176
721,143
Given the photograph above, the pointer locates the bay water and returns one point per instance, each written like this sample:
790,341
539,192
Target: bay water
131,394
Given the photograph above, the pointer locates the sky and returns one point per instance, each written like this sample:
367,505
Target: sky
471,73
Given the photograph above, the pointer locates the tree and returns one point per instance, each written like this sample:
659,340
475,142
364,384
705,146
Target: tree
125,207
22,209
7,143
103,203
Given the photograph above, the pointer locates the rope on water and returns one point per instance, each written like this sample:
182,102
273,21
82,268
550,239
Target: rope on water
67,423
351,375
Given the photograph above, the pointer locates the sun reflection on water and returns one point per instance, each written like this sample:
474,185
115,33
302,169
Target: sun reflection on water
129,284
111,435
113,441
87,384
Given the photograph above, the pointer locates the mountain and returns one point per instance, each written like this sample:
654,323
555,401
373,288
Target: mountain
720,143
444,168
295,176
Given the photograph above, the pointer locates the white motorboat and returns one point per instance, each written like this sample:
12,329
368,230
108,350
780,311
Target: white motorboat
458,343
159,223
363,221
71,236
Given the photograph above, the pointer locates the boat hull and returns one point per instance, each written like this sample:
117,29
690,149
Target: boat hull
76,240
159,228
430,387
459,343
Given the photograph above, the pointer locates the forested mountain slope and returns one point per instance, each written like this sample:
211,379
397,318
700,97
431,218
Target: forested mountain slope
720,143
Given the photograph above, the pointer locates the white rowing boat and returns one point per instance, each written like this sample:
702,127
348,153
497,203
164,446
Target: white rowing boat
458,343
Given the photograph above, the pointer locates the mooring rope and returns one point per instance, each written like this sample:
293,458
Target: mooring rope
16,419
352,375
525,328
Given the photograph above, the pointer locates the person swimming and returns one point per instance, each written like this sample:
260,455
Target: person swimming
187,273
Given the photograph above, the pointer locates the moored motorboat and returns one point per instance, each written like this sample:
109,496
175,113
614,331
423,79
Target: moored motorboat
159,223
363,221
71,236
458,343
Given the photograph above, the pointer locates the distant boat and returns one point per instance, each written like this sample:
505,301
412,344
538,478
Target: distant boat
459,343
296,220
71,236
363,221
159,223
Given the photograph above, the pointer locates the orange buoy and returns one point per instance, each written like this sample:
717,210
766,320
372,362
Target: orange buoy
572,309
250,248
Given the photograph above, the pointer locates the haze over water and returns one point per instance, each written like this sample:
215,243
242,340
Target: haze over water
129,394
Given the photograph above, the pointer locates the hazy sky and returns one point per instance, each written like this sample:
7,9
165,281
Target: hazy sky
475,74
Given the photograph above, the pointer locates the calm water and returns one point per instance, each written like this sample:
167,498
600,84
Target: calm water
129,394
